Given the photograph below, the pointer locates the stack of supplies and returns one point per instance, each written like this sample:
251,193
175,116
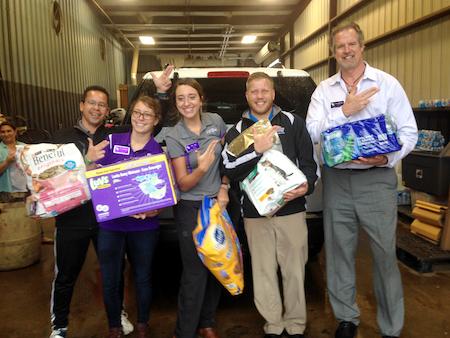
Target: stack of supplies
363,138
429,220
430,140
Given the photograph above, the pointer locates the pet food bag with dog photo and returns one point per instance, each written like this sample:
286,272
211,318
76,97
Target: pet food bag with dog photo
274,175
55,177
218,246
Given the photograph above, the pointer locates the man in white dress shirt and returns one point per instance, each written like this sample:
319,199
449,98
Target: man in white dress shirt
361,194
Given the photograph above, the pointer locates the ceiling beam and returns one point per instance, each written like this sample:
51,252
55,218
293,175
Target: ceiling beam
155,34
168,8
132,13
189,26
200,20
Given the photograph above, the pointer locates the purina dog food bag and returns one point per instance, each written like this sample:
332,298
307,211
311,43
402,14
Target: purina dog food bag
218,246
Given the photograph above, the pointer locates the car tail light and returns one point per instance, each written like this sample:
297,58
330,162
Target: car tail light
225,74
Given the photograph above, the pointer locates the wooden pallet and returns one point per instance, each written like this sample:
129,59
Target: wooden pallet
419,254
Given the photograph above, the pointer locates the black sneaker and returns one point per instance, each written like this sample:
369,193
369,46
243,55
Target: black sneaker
346,330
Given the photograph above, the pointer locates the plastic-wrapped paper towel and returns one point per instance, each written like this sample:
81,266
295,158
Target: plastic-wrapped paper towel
363,138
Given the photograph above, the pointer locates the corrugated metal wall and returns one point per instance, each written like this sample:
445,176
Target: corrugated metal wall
314,17
418,58
44,72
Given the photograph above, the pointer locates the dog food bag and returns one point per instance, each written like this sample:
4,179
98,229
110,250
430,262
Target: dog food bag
274,175
55,177
218,246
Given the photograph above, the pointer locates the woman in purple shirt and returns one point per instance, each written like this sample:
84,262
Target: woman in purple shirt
137,235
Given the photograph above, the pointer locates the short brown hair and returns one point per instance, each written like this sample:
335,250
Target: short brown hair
343,27
150,102
259,76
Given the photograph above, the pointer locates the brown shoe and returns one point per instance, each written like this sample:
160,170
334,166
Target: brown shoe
115,332
208,332
142,330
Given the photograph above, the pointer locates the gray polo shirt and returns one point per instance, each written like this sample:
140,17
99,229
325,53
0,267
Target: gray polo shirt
181,141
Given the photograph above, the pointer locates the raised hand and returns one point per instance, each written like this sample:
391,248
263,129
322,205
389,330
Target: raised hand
207,158
163,82
264,142
96,152
354,103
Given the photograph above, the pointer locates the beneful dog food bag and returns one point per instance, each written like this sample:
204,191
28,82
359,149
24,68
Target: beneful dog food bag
55,177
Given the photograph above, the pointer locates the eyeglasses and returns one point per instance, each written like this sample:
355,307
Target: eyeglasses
146,115
100,105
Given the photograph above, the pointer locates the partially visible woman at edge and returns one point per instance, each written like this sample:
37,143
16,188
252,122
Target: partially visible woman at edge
13,181
194,145
137,235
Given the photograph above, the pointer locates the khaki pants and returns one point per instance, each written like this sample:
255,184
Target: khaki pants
279,241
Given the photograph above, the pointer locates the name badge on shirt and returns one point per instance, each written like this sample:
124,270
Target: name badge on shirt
281,131
122,150
337,104
192,147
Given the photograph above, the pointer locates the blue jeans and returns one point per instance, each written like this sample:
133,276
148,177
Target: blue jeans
139,246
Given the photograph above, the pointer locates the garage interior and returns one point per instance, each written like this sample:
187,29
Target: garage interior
50,50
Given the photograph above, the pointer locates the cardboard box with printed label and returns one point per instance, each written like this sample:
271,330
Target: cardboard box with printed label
131,187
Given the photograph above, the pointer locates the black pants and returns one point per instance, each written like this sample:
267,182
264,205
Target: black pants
71,246
199,290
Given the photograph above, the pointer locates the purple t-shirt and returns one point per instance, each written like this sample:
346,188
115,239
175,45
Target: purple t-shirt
119,150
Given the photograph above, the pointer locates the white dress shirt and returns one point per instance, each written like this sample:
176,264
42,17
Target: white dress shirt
325,110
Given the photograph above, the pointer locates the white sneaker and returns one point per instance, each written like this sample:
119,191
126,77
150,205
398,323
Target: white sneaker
127,327
59,333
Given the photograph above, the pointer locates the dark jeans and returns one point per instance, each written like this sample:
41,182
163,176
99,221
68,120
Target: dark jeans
199,290
139,246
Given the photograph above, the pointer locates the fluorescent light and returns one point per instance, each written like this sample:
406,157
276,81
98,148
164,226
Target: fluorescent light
247,39
147,40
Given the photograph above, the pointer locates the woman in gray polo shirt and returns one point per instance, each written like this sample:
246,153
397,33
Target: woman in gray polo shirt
194,145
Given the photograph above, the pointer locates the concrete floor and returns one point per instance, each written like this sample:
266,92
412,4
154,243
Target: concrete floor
25,294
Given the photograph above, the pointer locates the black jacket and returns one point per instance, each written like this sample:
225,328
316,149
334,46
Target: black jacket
82,217
297,146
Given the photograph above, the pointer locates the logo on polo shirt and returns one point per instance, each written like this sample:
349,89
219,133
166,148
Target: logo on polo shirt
212,131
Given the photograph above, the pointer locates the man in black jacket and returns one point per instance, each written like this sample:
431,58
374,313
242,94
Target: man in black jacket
76,228
281,240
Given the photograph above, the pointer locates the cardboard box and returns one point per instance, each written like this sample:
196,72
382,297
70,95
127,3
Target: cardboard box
131,187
